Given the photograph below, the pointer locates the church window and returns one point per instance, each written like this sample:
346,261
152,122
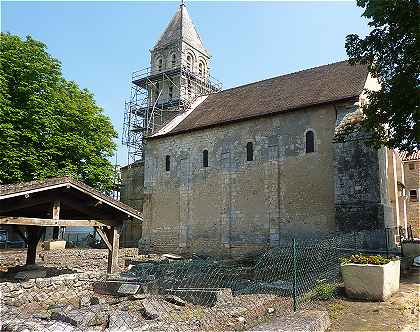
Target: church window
201,69
413,196
157,89
173,60
168,163
205,158
411,166
249,151
189,62
171,92
160,64
309,141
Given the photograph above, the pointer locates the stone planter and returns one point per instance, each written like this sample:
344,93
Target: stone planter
54,245
411,248
371,282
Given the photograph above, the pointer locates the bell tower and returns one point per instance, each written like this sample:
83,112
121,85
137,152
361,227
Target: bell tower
178,74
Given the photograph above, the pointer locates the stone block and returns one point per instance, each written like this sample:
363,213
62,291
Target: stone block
55,245
371,282
83,318
203,296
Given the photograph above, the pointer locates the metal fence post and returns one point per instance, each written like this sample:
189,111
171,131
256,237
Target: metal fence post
294,276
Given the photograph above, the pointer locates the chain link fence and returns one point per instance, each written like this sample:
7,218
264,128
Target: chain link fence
164,293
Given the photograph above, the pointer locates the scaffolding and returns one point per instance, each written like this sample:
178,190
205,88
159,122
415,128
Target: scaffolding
156,97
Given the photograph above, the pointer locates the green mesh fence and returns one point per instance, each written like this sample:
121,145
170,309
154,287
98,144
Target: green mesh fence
189,294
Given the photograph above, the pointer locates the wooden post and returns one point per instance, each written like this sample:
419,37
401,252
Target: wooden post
34,234
114,239
56,216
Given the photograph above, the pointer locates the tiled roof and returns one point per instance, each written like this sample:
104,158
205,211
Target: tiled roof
24,187
413,156
320,85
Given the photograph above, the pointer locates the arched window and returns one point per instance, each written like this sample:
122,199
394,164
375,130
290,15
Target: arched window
173,60
201,69
171,92
249,151
160,64
190,62
205,158
157,89
168,163
309,141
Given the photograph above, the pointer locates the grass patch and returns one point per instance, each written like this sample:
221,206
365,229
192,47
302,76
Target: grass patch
335,309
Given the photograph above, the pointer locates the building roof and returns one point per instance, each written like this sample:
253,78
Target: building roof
405,156
180,28
315,86
24,188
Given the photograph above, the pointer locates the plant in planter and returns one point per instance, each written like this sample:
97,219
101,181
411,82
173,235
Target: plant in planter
370,277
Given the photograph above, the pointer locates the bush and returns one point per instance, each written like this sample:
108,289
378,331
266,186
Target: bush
365,259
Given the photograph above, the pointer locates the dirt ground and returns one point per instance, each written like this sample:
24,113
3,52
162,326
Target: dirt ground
399,313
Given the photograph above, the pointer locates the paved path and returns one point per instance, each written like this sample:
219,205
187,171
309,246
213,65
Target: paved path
398,313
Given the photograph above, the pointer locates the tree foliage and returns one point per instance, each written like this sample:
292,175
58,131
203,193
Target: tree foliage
392,53
48,125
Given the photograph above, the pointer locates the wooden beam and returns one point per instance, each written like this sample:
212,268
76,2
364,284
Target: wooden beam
56,210
114,237
56,222
104,237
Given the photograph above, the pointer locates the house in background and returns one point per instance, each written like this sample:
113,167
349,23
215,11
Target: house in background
411,165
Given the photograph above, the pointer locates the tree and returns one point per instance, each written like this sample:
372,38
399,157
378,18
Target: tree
391,51
48,125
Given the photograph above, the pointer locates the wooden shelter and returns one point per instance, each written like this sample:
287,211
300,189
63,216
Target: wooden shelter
30,207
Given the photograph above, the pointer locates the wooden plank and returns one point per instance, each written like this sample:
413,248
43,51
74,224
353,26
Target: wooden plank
56,210
104,237
114,238
58,222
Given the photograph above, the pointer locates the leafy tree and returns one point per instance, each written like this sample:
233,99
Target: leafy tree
49,126
392,53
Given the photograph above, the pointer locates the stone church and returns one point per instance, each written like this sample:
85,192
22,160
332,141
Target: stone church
232,171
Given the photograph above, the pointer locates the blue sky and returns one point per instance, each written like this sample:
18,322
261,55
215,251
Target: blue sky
101,43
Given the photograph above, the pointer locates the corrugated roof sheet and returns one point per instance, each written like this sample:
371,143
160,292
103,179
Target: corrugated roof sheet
324,84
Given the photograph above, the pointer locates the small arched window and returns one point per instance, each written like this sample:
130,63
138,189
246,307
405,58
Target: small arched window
249,151
201,69
168,163
189,62
171,92
309,141
205,158
173,60
157,89
160,64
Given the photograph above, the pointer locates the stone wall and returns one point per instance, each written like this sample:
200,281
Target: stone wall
43,292
234,205
412,182
362,198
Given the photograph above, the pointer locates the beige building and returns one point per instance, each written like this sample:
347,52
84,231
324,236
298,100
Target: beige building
239,169
411,164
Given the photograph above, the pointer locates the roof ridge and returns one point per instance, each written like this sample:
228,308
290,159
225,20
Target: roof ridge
285,75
